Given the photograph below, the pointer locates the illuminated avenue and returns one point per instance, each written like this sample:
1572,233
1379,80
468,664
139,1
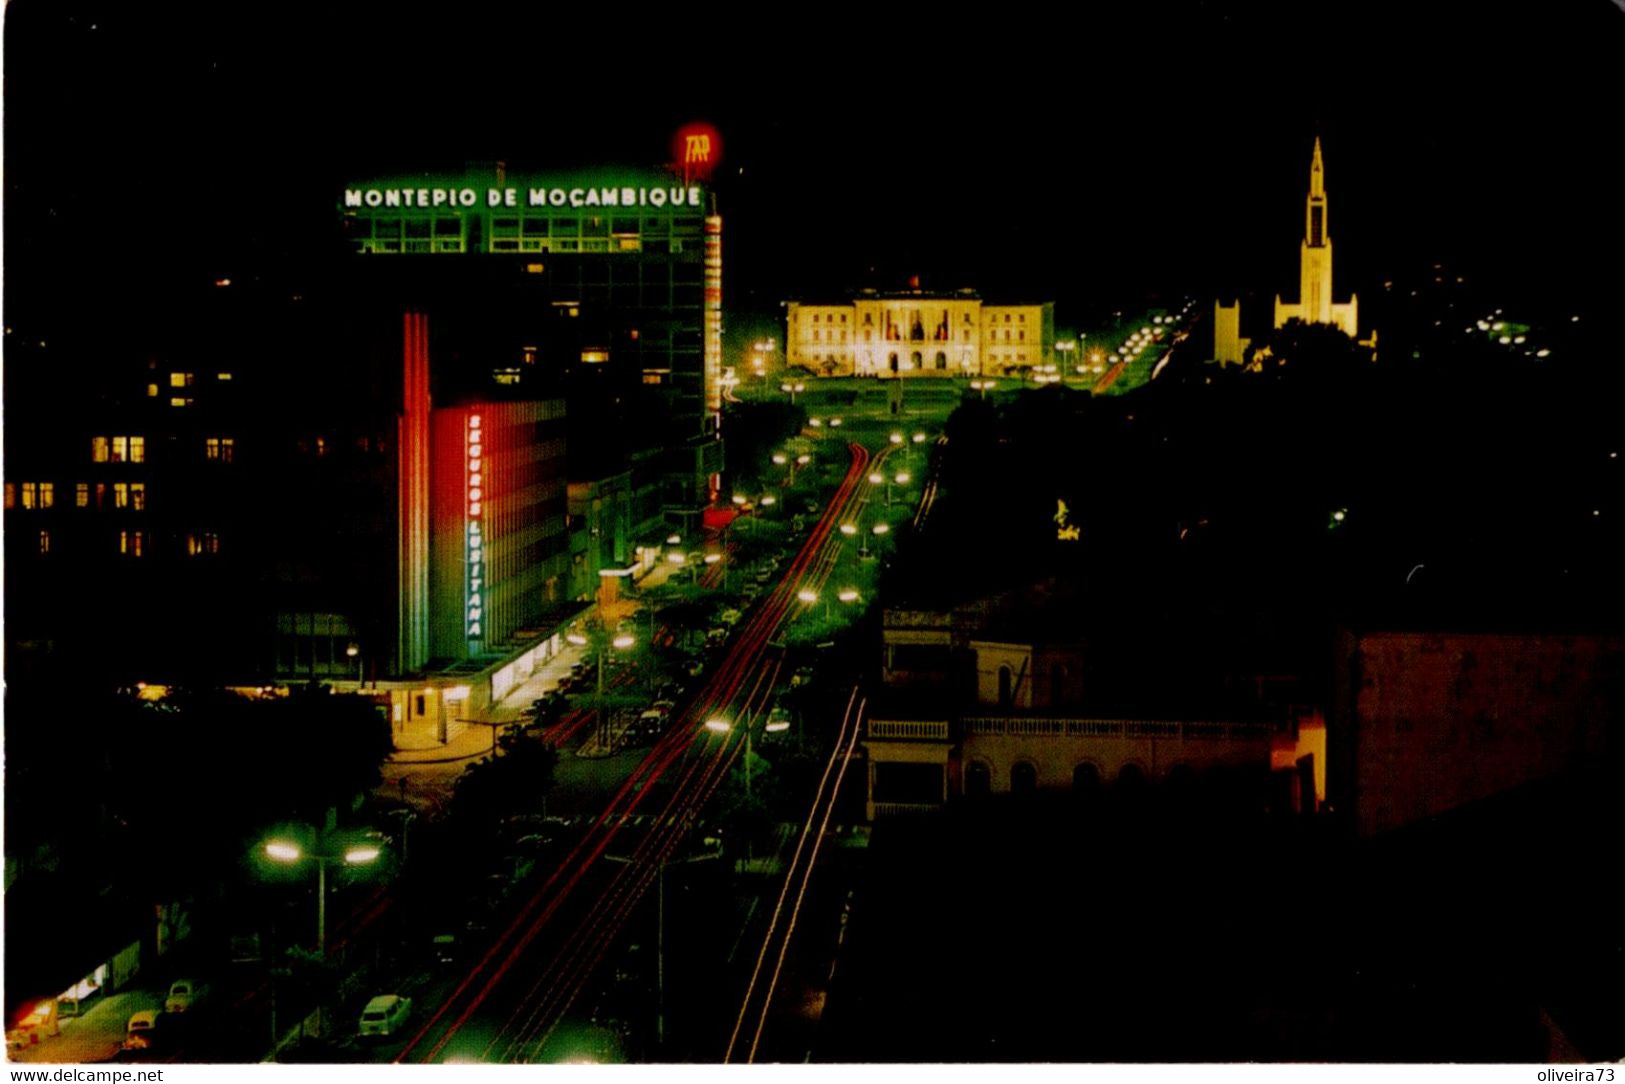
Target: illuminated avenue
816,567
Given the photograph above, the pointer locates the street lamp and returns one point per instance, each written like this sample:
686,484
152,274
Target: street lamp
983,386
355,854
353,650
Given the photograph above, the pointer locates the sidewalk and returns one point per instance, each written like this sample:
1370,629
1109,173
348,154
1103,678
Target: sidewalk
475,740
98,1035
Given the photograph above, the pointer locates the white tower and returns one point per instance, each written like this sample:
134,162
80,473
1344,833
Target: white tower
1315,305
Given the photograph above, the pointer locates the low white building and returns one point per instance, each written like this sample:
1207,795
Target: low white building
916,333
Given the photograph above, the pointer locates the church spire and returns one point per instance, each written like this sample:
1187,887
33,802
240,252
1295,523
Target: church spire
1314,227
1315,305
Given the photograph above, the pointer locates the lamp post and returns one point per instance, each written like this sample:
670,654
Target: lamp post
807,597
660,930
353,650
326,851
619,643
355,854
722,726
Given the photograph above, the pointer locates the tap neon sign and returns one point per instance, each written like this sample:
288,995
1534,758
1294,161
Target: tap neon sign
474,517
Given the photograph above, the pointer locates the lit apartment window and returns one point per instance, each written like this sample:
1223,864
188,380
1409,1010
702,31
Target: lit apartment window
81,495
118,449
47,494
152,391
11,494
211,542
180,380
203,543
45,541
180,401
121,495
219,448
130,542
223,377
35,494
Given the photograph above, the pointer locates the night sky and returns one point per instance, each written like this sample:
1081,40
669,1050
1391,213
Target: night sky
1098,164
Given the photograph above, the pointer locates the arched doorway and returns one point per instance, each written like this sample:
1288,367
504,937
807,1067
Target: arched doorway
1086,780
978,779
1023,778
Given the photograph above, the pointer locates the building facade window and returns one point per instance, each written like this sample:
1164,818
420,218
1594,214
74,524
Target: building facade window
126,449
81,495
203,543
34,494
131,543
45,542
180,380
219,448
131,495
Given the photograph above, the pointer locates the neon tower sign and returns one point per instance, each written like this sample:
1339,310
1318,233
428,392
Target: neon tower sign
474,541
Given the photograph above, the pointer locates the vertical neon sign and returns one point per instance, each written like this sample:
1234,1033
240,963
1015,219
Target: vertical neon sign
474,516
713,316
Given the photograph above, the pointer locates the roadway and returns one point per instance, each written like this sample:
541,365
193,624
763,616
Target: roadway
509,1005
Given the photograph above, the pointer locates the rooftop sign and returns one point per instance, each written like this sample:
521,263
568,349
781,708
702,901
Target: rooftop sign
492,191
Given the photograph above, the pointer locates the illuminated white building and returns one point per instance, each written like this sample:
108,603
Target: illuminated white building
915,333
1315,305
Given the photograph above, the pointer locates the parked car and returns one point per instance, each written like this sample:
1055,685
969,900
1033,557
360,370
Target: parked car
184,995
142,1030
385,1015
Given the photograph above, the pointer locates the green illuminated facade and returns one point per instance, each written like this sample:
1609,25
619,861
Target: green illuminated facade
602,286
